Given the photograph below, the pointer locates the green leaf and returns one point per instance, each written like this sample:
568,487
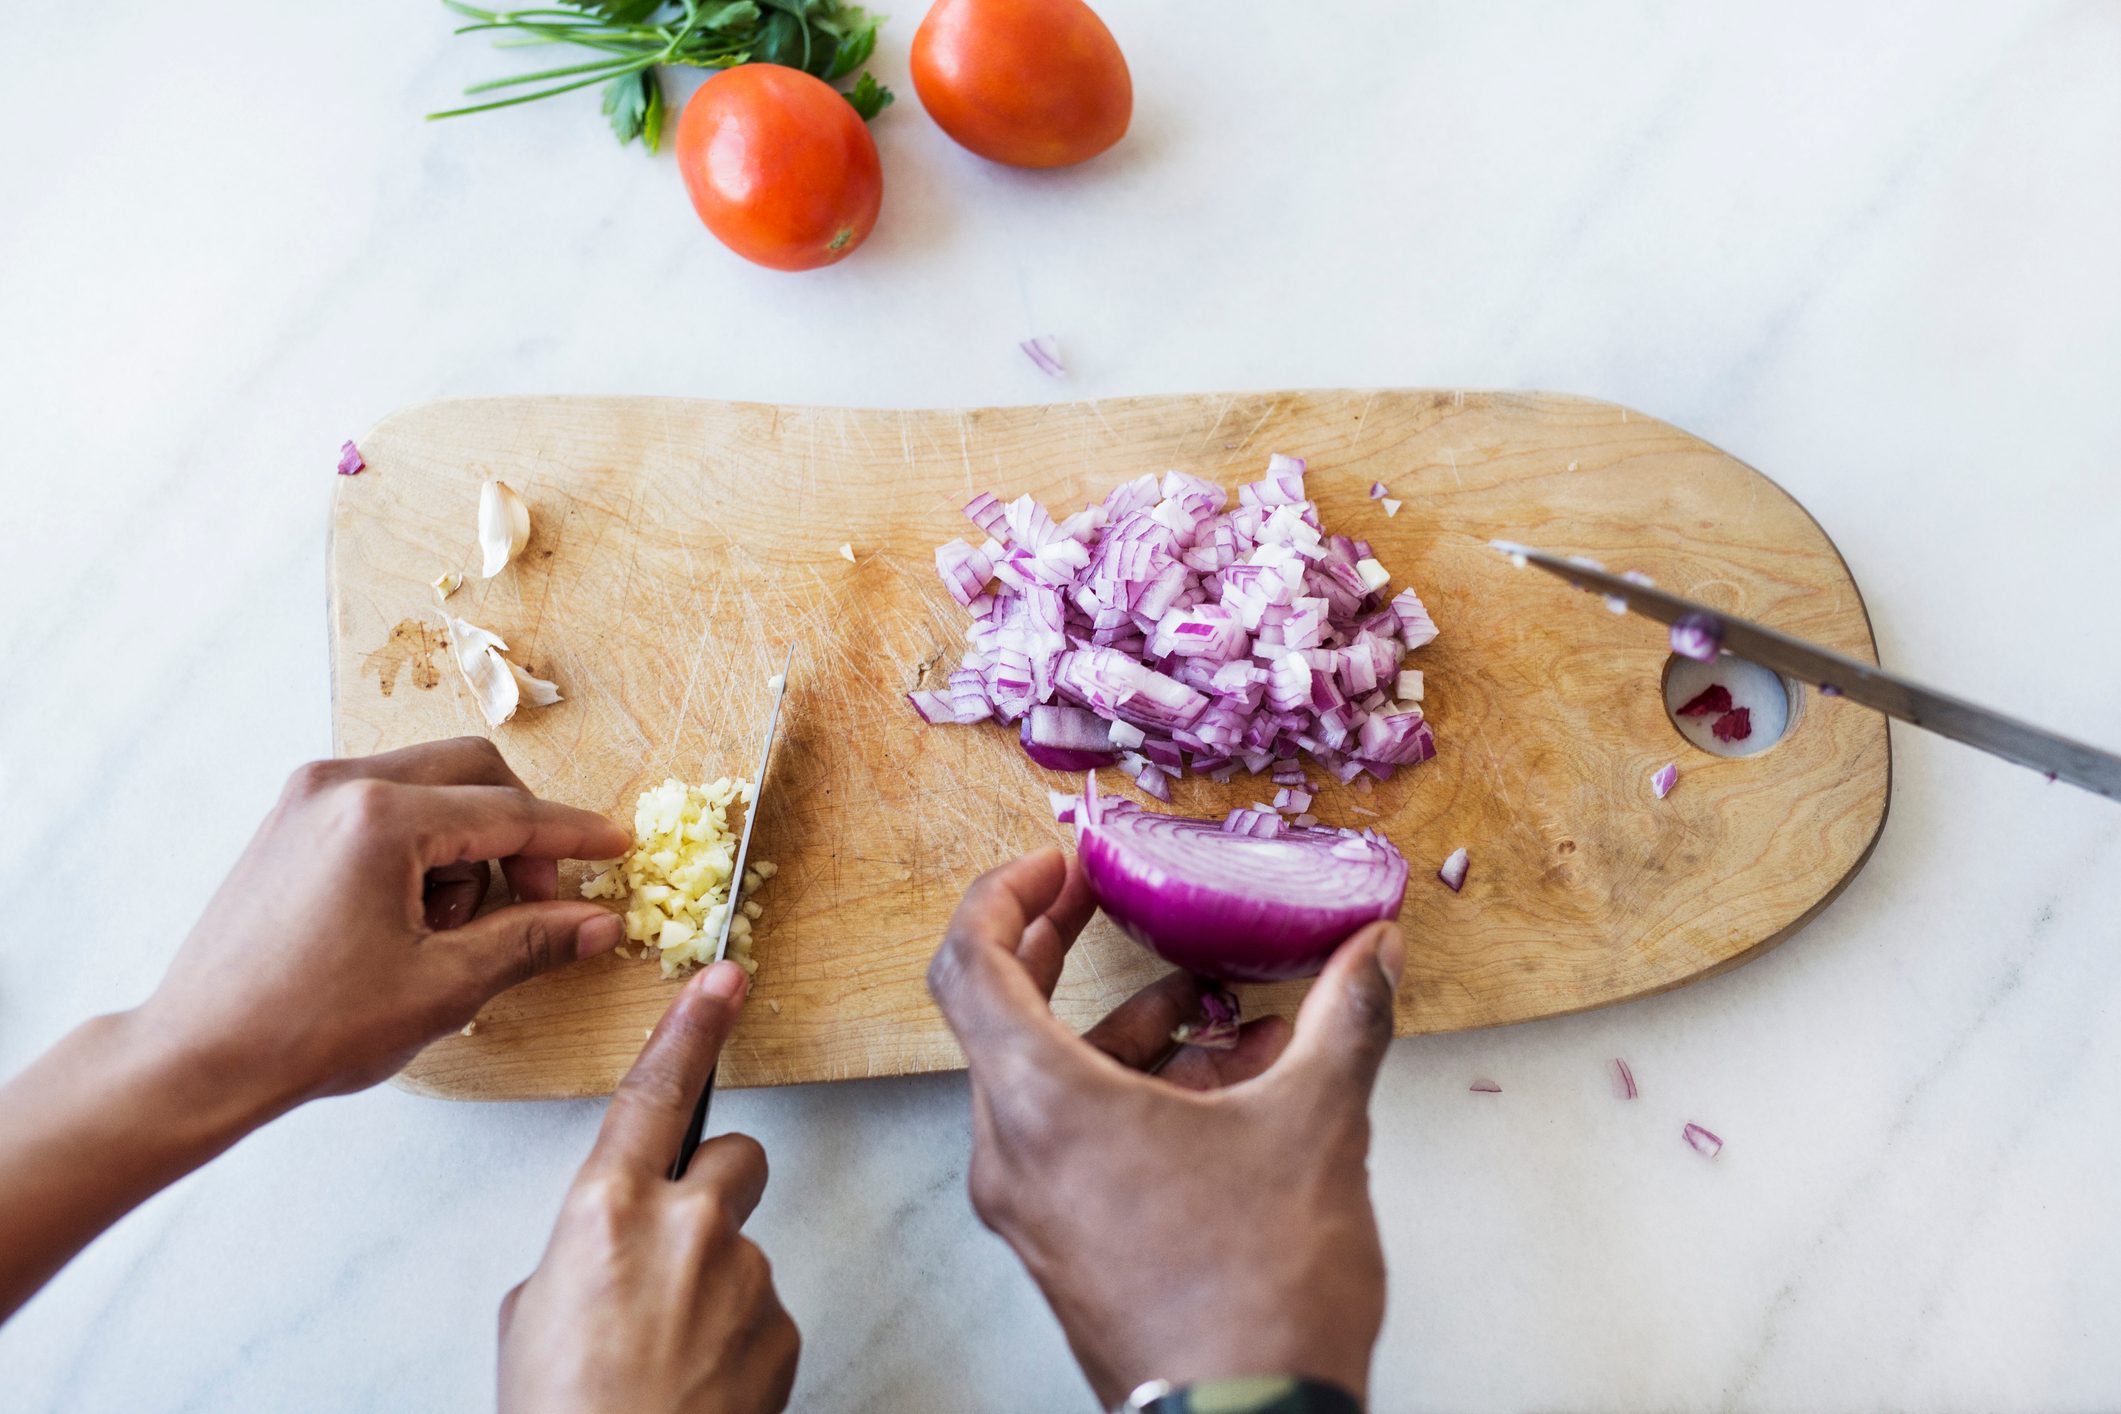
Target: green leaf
822,49
652,120
623,12
628,101
854,50
780,41
737,12
869,97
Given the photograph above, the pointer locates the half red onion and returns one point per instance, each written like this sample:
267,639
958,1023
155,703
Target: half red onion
1229,903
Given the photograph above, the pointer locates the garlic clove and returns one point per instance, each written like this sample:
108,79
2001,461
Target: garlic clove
504,526
486,673
498,685
447,584
535,691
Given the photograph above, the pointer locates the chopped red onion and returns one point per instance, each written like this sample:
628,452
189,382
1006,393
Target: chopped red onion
1485,1087
1713,698
1623,1080
1377,491
1064,805
1454,869
1697,636
1066,738
965,571
933,707
1045,352
1827,689
351,462
1734,725
1703,1142
1664,779
1200,632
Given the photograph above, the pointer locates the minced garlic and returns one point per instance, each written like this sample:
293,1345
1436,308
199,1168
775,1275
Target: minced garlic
676,878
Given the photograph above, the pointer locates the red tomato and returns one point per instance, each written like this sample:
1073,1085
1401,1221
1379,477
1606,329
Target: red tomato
1033,83
780,166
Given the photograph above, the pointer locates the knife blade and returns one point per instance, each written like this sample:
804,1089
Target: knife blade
1839,675
698,1124
751,814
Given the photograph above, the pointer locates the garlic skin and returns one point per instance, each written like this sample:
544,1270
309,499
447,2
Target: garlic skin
447,584
497,685
504,526
534,691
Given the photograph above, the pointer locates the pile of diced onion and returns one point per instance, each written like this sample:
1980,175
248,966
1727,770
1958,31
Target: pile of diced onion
1165,628
675,879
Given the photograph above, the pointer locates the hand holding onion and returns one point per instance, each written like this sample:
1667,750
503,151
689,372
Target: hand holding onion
1211,1220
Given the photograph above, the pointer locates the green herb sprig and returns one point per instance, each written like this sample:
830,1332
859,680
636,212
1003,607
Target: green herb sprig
634,38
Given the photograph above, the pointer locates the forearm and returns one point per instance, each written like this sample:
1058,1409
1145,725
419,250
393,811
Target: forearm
115,1112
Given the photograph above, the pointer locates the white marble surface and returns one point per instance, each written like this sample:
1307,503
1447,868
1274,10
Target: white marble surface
1869,248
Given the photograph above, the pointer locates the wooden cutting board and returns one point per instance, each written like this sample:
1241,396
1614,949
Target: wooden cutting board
680,546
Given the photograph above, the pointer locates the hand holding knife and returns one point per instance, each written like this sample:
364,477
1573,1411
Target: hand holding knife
691,1141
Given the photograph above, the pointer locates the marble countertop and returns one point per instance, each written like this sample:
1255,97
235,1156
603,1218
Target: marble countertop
1868,249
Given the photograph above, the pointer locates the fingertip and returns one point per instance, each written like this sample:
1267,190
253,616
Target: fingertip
723,981
1392,953
598,935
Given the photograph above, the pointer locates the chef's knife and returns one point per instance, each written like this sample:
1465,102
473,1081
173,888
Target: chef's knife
691,1142
1838,675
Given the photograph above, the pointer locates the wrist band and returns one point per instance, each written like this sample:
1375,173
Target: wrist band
1248,1394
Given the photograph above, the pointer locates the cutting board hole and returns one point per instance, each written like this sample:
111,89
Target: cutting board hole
1769,703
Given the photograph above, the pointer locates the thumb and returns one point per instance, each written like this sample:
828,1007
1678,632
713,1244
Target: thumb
1345,1021
514,944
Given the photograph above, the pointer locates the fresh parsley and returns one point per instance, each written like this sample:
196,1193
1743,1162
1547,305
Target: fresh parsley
632,39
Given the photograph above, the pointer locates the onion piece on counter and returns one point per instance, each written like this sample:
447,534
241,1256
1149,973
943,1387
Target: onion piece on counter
1485,1087
1703,1142
1454,869
1623,1080
1045,352
1064,806
350,460
1378,491
1665,777
1229,904
1697,636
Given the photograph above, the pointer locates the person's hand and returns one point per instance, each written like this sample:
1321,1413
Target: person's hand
344,940
649,1300
1208,1221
